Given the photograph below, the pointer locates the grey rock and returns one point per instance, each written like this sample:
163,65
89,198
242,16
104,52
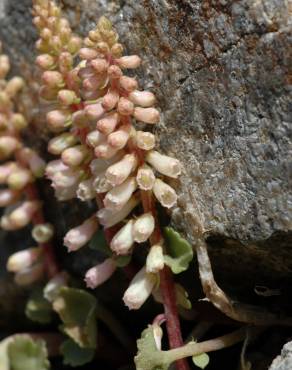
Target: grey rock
283,361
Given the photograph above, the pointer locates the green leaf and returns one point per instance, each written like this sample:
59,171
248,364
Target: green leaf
180,251
77,310
201,360
74,355
37,308
182,297
28,354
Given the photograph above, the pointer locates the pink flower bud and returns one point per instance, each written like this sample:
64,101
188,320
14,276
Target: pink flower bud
116,198
128,83
94,111
164,194
8,196
48,93
75,155
59,143
143,227
123,240
65,62
119,138
139,289
101,184
110,100
23,259
45,61
42,233
14,86
19,178
100,273
86,190
155,259
67,97
80,235
168,166
109,218
87,53
95,138
142,98
125,107
74,44
58,120
105,151
145,140
53,79
21,216
114,72
119,172
130,61
99,65
30,275
8,145
145,178
147,115
5,170
107,124
18,121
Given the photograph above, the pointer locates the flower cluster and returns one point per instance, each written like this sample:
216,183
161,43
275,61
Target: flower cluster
97,112
19,169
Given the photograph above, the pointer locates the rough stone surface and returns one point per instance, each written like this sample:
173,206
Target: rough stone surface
284,361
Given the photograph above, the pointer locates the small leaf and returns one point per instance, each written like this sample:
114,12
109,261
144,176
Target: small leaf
182,297
77,310
201,360
180,251
28,354
37,308
74,355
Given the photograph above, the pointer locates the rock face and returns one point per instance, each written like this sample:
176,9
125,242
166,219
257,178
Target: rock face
221,71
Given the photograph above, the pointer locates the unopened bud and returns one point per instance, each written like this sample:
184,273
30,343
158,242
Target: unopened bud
74,44
102,47
6,170
128,83
18,121
107,124
155,259
59,143
125,107
94,111
87,53
164,194
4,66
19,178
143,227
117,197
130,61
105,151
119,138
110,100
147,115
100,273
65,62
53,79
168,166
119,172
36,164
21,216
75,155
23,259
123,240
145,178
45,61
58,120
142,98
99,65
67,97
95,138
42,233
14,86
8,145
117,50
80,235
114,72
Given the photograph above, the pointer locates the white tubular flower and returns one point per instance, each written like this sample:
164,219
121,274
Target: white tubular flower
19,178
30,275
101,183
145,140
55,166
123,240
119,172
147,115
139,289
164,194
80,235
59,143
145,177
117,197
109,218
8,196
21,216
65,178
168,166
42,233
105,151
95,138
144,99
143,227
155,259
23,259
100,165
119,138
100,273
75,155
86,190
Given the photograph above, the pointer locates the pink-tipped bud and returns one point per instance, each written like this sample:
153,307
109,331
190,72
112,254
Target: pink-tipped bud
87,53
80,235
119,138
23,259
94,111
164,193
143,227
145,178
155,259
86,190
53,79
116,198
125,107
55,166
67,97
66,178
114,72
101,184
110,100
75,155
120,171
48,93
30,275
95,138
59,143
8,196
19,178
147,115
145,140
20,216
109,218
100,273
65,62
168,166
99,65
79,118
139,289
74,44
8,145
128,83
123,240
107,124
130,61
14,86
142,98
42,233
45,61
58,120
6,170
18,121
105,151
